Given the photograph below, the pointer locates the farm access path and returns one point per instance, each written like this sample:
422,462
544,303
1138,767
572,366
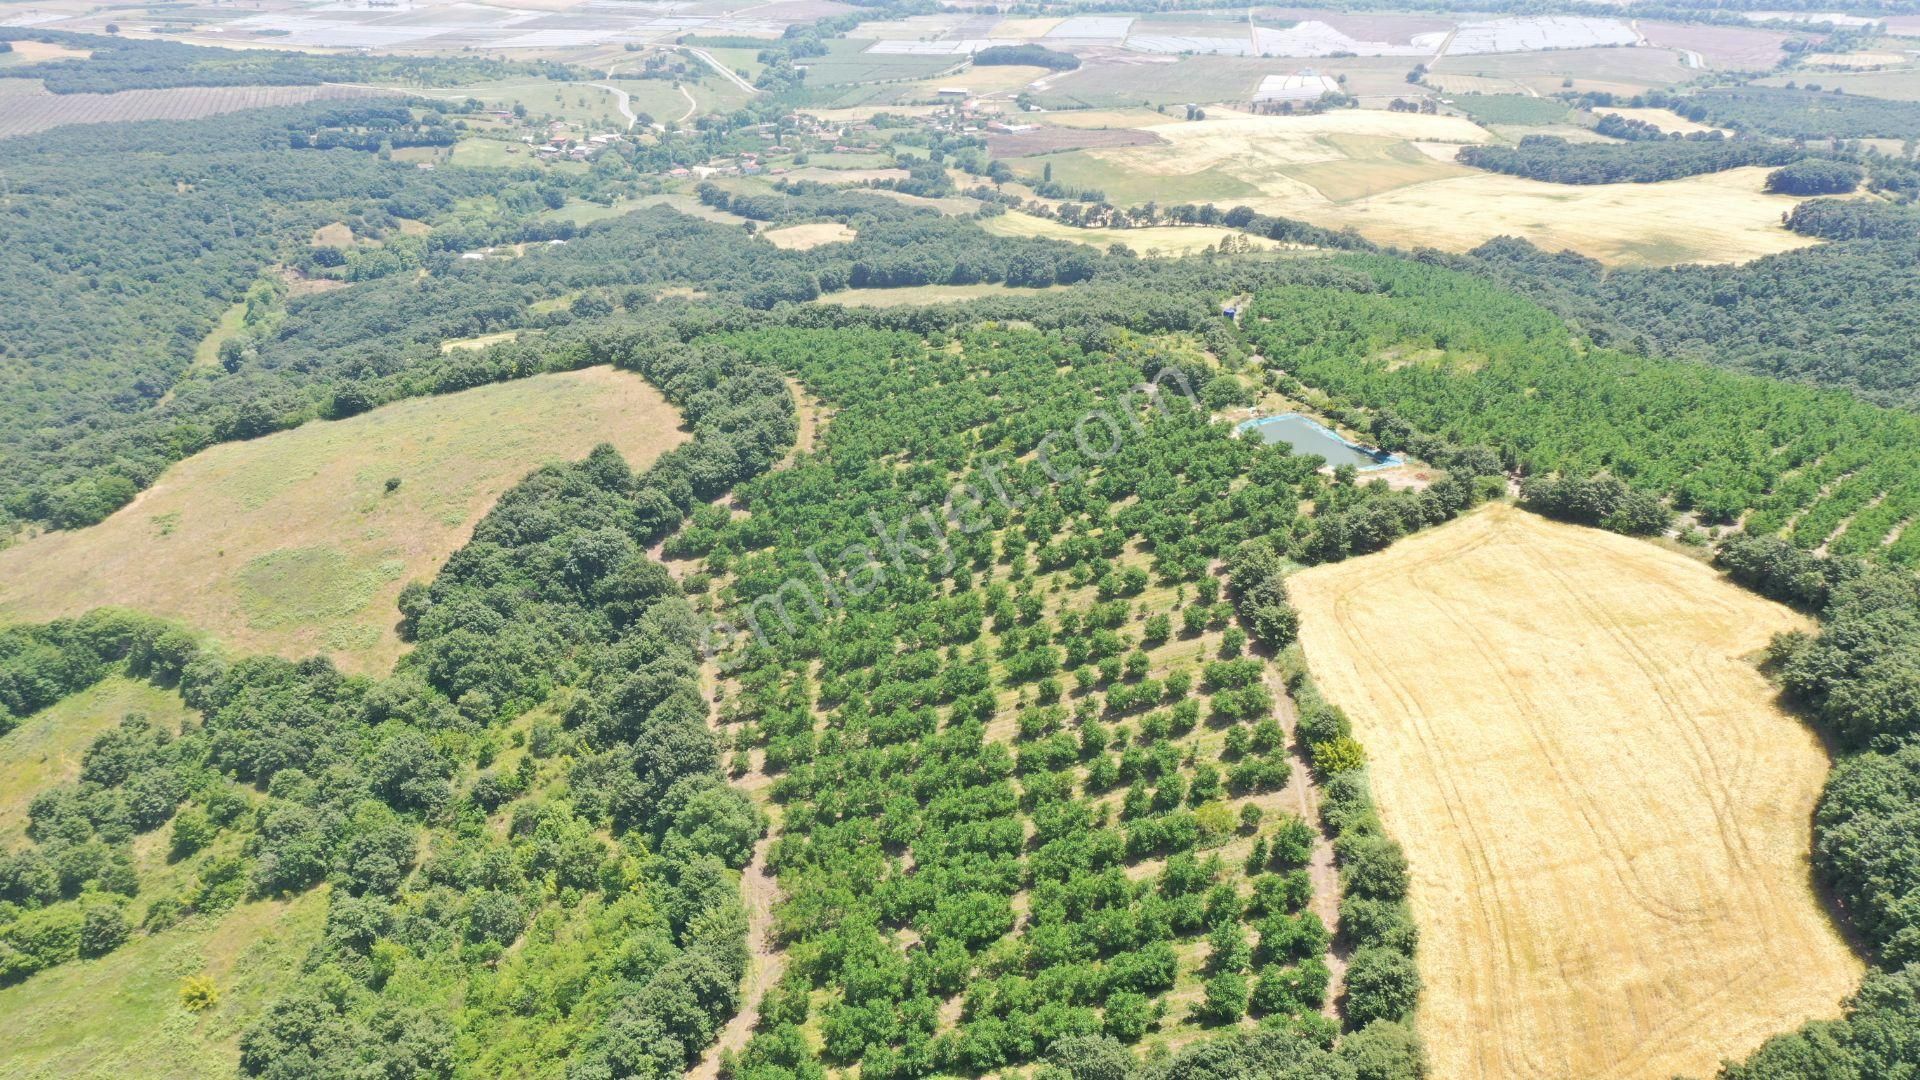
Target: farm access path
1304,791
759,891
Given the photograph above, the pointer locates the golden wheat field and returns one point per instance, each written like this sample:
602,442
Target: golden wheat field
293,544
1606,815
1382,173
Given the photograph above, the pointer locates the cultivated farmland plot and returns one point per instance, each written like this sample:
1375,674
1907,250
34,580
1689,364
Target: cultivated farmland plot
26,113
1607,815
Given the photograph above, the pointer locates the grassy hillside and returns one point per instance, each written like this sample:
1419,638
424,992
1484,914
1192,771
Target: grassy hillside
120,1015
294,543
45,749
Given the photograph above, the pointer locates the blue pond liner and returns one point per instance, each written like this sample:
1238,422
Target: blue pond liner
1305,435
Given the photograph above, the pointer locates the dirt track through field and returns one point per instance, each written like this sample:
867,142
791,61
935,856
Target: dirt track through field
1606,814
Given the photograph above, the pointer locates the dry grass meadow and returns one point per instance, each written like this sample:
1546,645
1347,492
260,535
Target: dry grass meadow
1606,814
1378,172
291,543
1149,240
802,237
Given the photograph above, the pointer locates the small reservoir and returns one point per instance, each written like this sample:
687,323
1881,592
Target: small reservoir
1305,435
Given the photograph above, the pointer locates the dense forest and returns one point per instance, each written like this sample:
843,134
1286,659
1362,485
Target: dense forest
1555,160
118,63
1833,315
120,251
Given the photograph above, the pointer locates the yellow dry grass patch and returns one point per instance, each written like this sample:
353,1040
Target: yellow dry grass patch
338,234
1606,813
1152,240
1379,172
1857,60
802,237
35,52
479,341
291,543
1670,122
926,294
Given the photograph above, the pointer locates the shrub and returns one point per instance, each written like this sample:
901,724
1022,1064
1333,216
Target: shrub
198,994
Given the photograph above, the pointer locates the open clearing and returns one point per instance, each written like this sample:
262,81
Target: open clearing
1377,172
1606,814
1150,240
45,749
291,543
1902,84
802,237
120,1015
1665,119
925,294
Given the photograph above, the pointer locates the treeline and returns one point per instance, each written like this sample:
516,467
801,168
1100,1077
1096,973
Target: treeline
1031,55
1555,160
1855,679
1834,315
297,775
1855,219
118,63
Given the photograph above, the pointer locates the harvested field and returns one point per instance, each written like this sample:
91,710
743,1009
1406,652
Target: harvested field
1052,140
26,113
1151,240
1379,172
1731,47
802,237
1618,71
1857,60
1606,814
1452,83
1159,81
1234,157
291,543
1900,85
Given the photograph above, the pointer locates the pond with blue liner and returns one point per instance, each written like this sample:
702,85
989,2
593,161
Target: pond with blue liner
1305,435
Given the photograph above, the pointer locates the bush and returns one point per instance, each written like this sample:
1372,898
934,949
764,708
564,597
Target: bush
1381,985
198,994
